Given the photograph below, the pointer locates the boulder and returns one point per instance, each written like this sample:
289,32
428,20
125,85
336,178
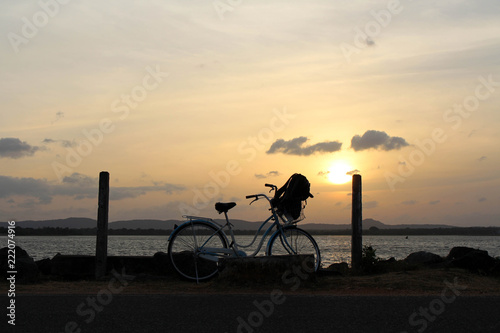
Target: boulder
44,266
133,265
472,259
391,260
423,258
458,252
340,268
27,270
495,270
279,269
163,263
73,267
25,266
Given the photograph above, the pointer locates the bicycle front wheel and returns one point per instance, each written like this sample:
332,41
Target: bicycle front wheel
187,253
293,240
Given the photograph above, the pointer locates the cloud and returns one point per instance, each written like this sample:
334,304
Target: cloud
58,116
15,148
80,180
377,140
370,204
482,199
63,143
28,204
350,173
369,41
31,187
323,173
409,202
482,158
435,202
119,193
267,175
77,186
295,147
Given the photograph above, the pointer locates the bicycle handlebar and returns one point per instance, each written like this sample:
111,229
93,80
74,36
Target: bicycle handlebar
256,196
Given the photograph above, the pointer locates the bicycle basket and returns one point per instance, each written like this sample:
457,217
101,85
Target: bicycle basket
292,211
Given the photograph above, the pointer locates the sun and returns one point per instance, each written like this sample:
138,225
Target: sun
337,173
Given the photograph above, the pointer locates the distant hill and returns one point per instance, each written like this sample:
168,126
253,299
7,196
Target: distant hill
72,222
369,223
81,222
143,224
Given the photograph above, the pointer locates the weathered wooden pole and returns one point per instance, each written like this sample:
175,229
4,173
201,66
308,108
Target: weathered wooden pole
101,251
357,231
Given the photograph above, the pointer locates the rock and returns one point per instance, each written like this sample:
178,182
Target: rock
472,259
458,252
44,266
163,263
27,270
25,266
184,261
423,258
341,268
391,260
495,270
73,267
133,265
280,269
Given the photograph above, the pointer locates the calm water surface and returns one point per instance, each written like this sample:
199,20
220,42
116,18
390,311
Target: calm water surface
333,248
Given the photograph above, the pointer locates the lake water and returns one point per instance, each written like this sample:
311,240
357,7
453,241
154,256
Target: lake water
333,248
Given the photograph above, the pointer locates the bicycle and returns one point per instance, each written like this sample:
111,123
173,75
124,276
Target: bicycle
196,246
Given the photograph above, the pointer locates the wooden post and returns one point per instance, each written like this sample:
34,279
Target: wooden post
101,253
357,241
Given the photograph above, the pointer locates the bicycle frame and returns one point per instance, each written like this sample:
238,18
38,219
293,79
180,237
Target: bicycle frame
213,254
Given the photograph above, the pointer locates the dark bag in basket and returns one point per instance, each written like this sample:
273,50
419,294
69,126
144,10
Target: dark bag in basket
288,199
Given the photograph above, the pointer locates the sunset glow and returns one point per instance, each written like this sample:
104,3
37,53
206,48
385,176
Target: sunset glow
338,173
186,103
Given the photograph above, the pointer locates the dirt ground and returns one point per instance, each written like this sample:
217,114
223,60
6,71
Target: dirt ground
416,282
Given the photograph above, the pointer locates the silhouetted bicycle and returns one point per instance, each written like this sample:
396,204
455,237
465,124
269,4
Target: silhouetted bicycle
196,246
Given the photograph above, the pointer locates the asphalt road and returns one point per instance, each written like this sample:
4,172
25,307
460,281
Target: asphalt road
248,313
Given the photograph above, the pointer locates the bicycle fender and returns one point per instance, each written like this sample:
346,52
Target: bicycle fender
216,226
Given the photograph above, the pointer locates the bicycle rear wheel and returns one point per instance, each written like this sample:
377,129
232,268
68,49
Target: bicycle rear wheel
185,249
294,241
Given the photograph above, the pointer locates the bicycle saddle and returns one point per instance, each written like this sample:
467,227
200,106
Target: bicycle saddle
223,207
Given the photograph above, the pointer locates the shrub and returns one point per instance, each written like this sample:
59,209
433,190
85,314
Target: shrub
369,259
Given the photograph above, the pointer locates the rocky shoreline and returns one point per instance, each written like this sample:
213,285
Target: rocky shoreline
73,267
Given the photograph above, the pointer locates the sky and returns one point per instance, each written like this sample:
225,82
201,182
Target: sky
187,103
